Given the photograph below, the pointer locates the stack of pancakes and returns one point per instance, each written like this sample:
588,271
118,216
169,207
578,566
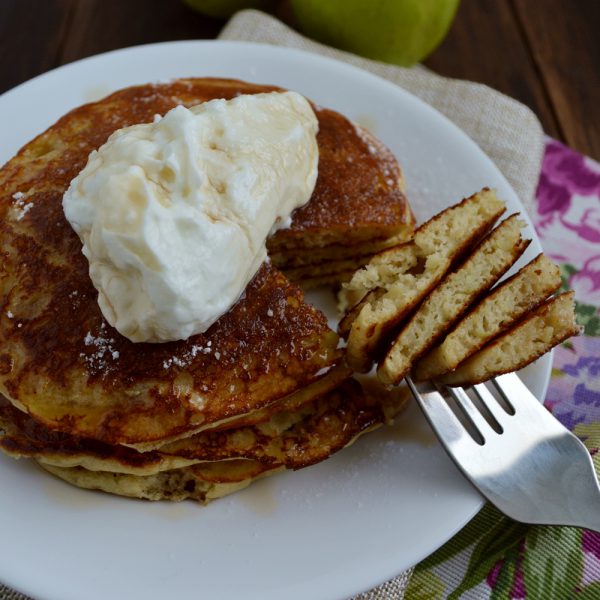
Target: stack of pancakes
358,208
427,307
265,388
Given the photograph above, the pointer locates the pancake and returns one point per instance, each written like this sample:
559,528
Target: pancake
384,293
324,384
550,324
199,482
232,457
452,297
63,364
359,182
359,197
290,438
507,303
334,252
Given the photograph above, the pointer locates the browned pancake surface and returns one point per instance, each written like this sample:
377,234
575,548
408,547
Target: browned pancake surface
307,437
63,363
358,195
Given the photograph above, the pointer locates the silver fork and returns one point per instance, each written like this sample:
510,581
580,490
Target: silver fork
515,452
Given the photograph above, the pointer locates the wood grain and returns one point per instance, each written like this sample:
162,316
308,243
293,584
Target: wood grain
486,44
544,53
564,39
102,25
31,35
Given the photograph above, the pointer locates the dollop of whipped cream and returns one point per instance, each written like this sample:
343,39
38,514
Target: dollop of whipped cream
174,215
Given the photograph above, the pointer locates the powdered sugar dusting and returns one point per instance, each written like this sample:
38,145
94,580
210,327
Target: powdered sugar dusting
103,349
323,371
22,208
183,361
366,139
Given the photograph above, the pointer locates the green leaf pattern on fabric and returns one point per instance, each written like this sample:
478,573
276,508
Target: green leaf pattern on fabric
587,317
426,585
590,436
492,546
506,578
589,592
553,562
566,270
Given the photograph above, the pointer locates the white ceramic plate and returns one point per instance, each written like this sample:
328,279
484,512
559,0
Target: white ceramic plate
326,532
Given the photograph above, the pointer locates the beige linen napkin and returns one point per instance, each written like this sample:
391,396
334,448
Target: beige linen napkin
508,132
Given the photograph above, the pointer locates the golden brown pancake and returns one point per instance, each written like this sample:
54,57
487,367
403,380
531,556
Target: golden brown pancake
62,363
237,456
199,482
293,439
360,189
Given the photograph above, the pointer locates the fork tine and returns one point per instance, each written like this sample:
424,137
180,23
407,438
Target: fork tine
524,402
441,418
487,398
471,412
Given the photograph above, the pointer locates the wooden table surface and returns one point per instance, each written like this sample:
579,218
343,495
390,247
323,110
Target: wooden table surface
545,53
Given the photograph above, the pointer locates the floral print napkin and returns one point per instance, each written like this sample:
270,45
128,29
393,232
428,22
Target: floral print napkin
494,557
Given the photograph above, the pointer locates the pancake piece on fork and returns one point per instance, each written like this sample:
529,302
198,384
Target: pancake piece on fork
547,326
452,297
508,302
382,295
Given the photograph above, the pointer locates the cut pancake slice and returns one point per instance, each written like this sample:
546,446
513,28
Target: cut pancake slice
334,279
396,280
358,208
549,325
330,272
336,252
509,302
336,262
452,297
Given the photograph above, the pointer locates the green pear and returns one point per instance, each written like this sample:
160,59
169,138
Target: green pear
223,9
397,31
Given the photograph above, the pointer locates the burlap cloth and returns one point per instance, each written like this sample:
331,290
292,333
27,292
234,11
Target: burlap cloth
506,130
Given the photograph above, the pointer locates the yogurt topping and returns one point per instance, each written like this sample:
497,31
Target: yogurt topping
174,215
